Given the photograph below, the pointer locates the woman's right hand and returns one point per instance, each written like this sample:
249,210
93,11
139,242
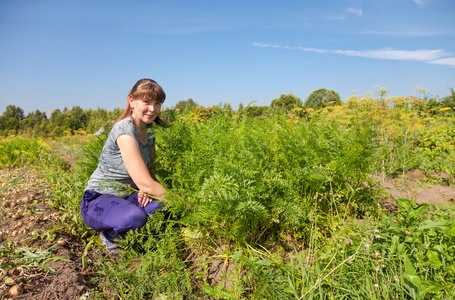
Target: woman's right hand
143,199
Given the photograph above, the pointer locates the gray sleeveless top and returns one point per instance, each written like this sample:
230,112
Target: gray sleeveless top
111,174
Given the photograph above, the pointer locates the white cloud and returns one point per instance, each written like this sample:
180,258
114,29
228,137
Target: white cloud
438,56
356,11
266,45
311,49
449,61
389,53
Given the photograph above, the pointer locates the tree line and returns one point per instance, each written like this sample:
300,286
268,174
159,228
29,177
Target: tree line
14,122
70,121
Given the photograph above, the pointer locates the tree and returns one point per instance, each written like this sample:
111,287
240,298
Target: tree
81,117
15,112
3,125
96,119
34,123
56,118
37,124
183,105
322,98
11,118
285,104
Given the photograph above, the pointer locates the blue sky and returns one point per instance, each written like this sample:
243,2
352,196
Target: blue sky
57,54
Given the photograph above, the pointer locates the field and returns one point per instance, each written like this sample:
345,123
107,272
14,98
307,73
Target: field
347,202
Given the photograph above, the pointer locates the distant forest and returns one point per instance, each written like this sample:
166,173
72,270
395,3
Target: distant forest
77,120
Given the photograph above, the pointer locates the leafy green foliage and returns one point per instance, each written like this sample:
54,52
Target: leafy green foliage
253,276
257,177
21,152
274,198
407,256
421,239
152,267
434,149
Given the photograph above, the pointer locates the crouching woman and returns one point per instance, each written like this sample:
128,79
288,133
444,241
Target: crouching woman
125,164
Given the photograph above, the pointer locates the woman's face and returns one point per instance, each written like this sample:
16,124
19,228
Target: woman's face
145,110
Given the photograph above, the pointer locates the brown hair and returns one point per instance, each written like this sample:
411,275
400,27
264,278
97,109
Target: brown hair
145,89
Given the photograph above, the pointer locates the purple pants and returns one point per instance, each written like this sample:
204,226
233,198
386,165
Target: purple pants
115,215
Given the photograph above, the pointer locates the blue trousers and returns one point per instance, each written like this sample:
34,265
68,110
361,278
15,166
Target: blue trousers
113,214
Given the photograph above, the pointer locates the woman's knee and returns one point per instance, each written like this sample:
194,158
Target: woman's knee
133,219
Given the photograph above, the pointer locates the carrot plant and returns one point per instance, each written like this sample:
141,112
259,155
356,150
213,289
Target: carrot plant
256,178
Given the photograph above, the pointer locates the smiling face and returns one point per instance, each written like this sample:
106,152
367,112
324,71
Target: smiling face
144,103
144,111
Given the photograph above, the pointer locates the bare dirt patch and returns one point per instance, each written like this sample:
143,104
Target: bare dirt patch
42,263
419,186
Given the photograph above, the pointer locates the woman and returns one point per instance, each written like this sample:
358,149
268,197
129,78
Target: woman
108,205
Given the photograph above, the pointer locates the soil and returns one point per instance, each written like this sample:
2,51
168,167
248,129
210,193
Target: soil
418,186
28,222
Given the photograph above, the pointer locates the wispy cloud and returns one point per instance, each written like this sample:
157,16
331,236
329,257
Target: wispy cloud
389,53
438,56
356,11
266,45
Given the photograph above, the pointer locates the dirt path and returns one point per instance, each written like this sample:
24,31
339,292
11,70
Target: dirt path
41,268
26,220
418,186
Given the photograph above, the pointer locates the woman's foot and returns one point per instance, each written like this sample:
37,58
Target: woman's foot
110,247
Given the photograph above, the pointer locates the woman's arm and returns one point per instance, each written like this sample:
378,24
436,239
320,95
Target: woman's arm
137,168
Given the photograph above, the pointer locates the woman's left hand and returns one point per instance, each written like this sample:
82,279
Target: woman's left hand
143,199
